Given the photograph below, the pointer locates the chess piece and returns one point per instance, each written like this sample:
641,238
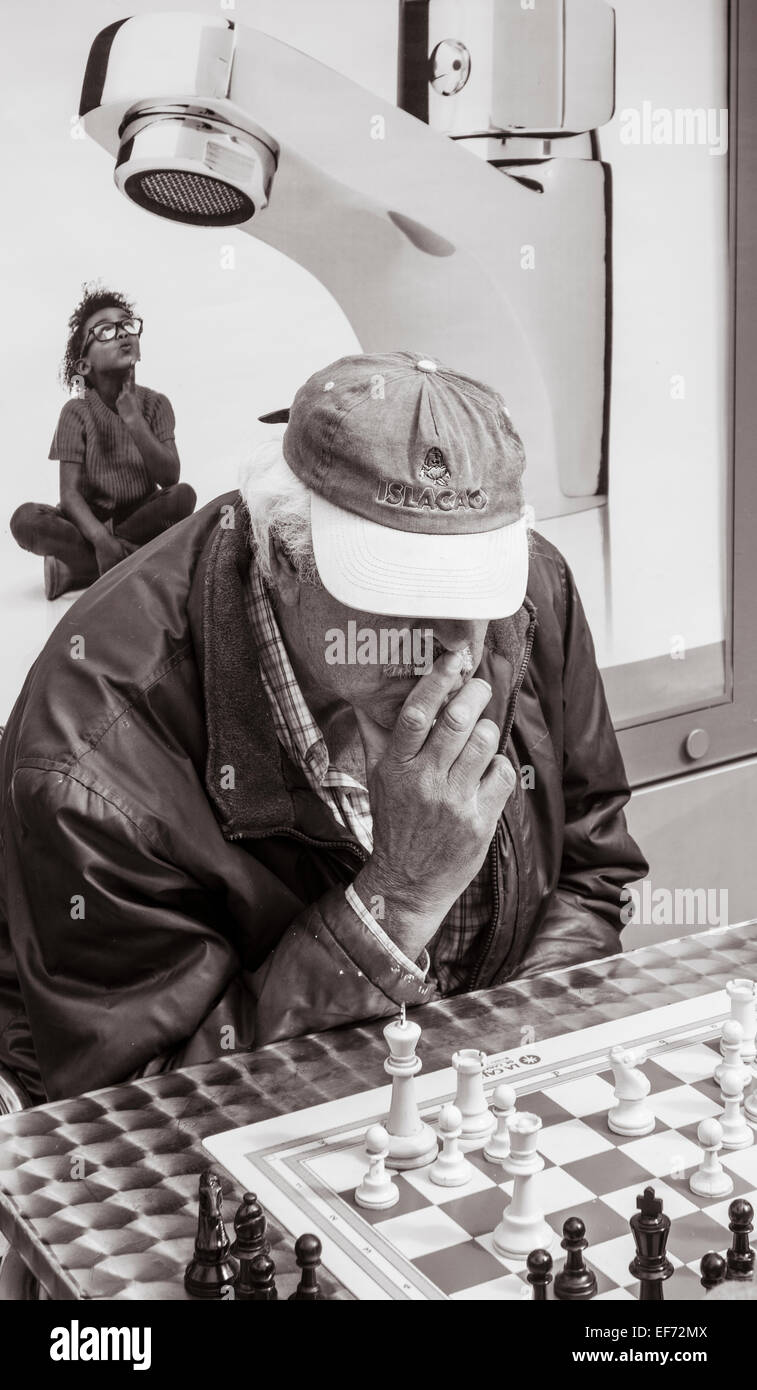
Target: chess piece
249,1228
497,1147
574,1281
478,1121
737,1134
539,1266
711,1179
377,1189
650,1264
731,1041
307,1252
630,1115
262,1272
244,1289
750,1105
523,1228
712,1269
740,1257
212,1270
451,1168
743,997
744,1007
412,1143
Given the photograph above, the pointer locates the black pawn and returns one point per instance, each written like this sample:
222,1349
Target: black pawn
249,1228
261,1274
307,1252
212,1270
539,1265
740,1257
574,1281
712,1269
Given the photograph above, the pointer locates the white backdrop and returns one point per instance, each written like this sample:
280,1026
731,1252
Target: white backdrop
227,344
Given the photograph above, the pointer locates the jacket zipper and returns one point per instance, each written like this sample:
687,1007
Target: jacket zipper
478,968
306,839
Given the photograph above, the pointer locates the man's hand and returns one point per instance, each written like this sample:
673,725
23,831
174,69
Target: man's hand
109,550
436,796
127,401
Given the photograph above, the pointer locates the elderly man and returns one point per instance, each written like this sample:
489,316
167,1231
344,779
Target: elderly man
222,827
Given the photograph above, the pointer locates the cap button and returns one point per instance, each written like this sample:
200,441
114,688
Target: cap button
425,365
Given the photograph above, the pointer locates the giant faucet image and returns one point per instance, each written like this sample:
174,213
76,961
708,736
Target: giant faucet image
469,222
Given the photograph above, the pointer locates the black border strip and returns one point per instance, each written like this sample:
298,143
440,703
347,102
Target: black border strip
412,58
97,67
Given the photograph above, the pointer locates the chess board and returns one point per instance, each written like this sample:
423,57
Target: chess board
436,1242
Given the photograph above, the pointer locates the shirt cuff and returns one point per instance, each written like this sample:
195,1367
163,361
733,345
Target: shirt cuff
419,970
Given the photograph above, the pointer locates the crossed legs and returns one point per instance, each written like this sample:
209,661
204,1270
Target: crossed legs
44,530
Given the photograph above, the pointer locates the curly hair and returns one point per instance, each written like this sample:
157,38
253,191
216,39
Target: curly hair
94,296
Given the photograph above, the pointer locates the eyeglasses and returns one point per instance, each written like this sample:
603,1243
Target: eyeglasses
106,331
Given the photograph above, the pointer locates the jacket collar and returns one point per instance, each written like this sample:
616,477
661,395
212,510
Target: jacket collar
243,772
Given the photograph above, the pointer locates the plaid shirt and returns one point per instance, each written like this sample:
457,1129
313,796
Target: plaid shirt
457,944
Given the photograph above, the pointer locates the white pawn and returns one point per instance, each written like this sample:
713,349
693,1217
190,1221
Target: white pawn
631,1115
451,1168
710,1178
377,1189
731,1043
503,1108
736,1132
470,1099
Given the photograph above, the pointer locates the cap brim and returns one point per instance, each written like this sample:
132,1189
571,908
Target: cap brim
376,569
275,417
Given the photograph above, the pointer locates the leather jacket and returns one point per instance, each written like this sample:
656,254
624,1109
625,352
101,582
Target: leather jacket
171,889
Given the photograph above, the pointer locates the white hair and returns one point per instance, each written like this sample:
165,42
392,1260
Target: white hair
278,505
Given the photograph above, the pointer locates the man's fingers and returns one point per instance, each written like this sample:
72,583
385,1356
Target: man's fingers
455,724
497,784
468,769
423,704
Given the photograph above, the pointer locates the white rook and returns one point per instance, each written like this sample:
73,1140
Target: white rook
743,997
523,1228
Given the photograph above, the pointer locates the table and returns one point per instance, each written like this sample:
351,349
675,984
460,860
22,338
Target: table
98,1194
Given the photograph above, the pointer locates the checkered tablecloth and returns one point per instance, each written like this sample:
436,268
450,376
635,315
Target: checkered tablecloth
99,1194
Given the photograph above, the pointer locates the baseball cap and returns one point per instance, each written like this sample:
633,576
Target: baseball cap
415,473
